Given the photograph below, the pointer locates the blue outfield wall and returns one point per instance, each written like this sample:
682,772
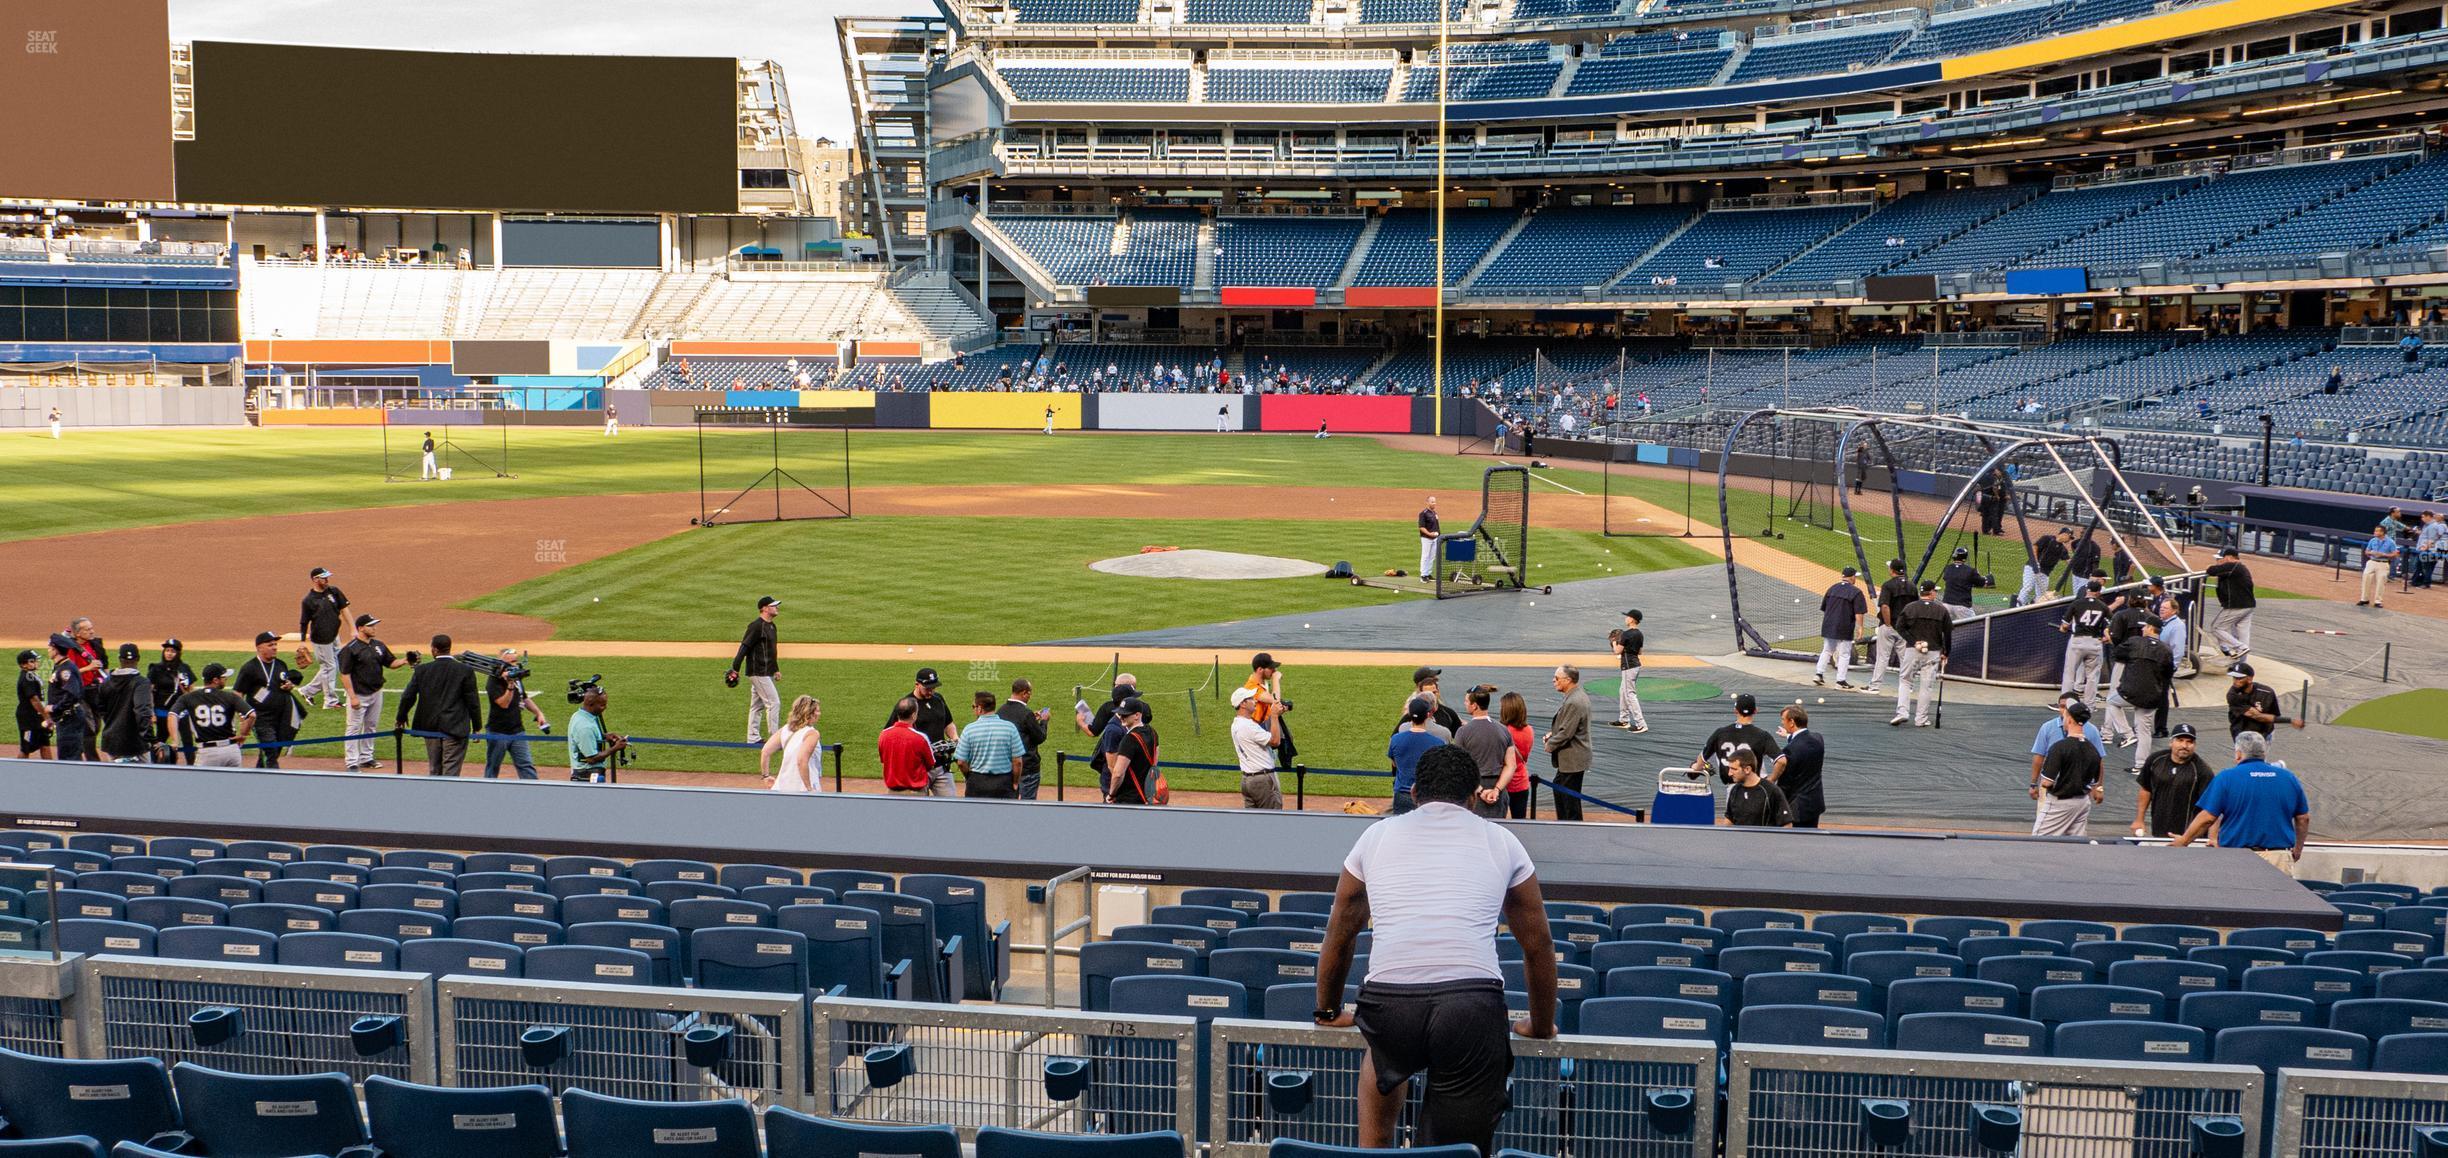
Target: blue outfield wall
902,411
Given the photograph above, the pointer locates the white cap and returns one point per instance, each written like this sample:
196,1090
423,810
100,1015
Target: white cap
1242,696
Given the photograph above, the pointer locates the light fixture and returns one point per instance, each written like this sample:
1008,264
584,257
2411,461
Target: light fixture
2121,130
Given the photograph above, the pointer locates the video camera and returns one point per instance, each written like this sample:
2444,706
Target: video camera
580,689
494,665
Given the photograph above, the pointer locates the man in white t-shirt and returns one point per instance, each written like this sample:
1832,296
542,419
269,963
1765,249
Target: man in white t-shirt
1434,883
1254,747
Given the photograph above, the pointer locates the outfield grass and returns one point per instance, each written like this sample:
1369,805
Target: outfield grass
106,479
1342,717
2421,712
988,581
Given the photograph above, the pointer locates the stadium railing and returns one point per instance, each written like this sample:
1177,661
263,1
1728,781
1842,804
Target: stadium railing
623,1040
1791,1100
257,1019
2325,1113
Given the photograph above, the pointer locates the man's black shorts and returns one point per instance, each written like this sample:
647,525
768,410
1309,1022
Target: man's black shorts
33,739
1459,1034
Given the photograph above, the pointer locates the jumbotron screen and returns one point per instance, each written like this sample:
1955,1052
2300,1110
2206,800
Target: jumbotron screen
279,124
85,99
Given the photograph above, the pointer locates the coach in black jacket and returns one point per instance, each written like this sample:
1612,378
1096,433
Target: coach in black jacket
1032,725
441,698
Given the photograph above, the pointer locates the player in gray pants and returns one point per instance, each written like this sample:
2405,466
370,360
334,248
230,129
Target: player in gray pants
759,654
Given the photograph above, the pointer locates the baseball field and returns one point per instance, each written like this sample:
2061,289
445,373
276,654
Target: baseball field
969,552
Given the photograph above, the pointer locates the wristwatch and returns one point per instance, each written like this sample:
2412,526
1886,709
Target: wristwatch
1325,1014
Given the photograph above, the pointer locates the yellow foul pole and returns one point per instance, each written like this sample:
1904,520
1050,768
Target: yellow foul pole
1437,347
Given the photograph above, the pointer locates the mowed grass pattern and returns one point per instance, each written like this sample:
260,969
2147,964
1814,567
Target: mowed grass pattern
930,580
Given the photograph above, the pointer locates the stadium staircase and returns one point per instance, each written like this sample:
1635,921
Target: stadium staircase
1203,264
940,306
2175,189
1013,256
1487,259
1359,252
1734,60
2309,208
1654,250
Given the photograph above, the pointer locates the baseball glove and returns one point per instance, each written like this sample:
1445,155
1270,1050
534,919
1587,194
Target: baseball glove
305,656
731,679
1358,808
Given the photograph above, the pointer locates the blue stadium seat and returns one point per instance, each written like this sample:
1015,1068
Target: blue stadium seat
2068,933
161,866
329,896
2271,1048
585,885
2180,936
1956,929
749,959
659,944
1313,922
532,906
1952,995
595,908
431,900
791,1134
2361,960
2212,1012
1308,941
2293,940
443,956
1896,943
1574,985
648,872
2411,1053
1882,970
75,903
246,1116
584,866
2321,985
2172,979
1736,920
2056,1004
2030,973
2379,1017
2235,959
670,892
1696,936
2157,1042
997,1142
600,1126
1258,969
1203,940
2106,955
1843,925
20,933
1321,904
281,920
1654,1017
1741,963
1807,989
402,874
779,896
2402,942
846,952
1623,916
846,881
1104,962
523,932
1249,901
2419,984
271,850
908,926
124,1100
1222,920
523,863
1575,938
1204,998
415,1121
1681,984
126,885
747,876
72,860
960,911
1972,1033
595,964
168,912
1810,1025
217,943
186,848
88,935
339,951
502,881
397,924
1975,950
1615,955
354,876
1827,943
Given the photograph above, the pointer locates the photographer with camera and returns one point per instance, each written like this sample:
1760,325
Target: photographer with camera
269,686
507,707
593,751
441,698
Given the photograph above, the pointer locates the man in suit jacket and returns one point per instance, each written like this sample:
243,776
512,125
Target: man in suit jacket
1568,741
442,698
1032,725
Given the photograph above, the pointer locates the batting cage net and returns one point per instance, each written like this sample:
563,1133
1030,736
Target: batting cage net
774,465
1649,480
1494,554
457,451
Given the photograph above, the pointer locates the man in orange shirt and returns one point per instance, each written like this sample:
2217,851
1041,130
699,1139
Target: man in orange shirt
1266,676
907,756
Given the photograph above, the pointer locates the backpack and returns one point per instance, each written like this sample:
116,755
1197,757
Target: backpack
1159,793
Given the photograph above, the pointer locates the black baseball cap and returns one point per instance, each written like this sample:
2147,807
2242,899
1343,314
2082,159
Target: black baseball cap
1896,565
1963,552
1633,614
264,637
1928,586
2079,712
29,655
2228,553
1418,709
765,601
1420,675
1745,704
63,641
1133,706
1850,572
214,671
367,621
2183,731
2239,670
129,651
172,644
927,676
1262,659
319,573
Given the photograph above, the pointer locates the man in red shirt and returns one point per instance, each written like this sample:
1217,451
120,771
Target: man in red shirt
909,760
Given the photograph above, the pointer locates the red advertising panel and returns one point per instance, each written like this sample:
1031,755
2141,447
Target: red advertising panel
1341,413
1243,295
85,100
1391,296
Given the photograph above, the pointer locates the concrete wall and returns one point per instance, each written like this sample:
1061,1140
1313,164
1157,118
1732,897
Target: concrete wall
82,406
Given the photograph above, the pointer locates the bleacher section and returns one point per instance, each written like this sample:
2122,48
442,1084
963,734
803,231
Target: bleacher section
2189,224
1737,245
2043,223
1773,58
2366,217
1404,251
1569,247
1136,82
1484,80
1076,11
1648,72
1073,249
1899,230
1977,29
1409,11
822,308
552,303
1284,251
1245,11
1233,80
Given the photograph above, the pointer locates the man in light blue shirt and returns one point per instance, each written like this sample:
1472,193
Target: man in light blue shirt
2379,557
989,752
2054,730
2428,544
2256,805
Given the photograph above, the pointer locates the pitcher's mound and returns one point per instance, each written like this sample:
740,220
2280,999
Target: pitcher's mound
1195,564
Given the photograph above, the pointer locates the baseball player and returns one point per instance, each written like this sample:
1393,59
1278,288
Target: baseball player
611,421
1887,643
269,684
1956,581
1222,412
211,721
319,625
760,652
1928,629
55,422
2086,627
170,677
362,664
1049,420
33,715
429,470
1841,610
1430,530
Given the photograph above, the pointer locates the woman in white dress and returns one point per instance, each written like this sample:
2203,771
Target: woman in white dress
799,771
775,742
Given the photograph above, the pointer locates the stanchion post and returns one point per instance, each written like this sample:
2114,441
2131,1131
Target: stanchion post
1300,788
2303,702
2387,649
399,758
1534,787
837,769
1061,759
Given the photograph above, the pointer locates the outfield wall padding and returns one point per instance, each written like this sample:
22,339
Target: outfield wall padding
321,416
98,406
419,419
703,349
1164,411
837,399
1341,413
636,406
981,411
346,352
777,399
903,410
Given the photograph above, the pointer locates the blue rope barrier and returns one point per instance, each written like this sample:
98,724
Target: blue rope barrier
1560,790
530,737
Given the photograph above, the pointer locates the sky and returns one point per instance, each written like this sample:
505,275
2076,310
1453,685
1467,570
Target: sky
797,33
